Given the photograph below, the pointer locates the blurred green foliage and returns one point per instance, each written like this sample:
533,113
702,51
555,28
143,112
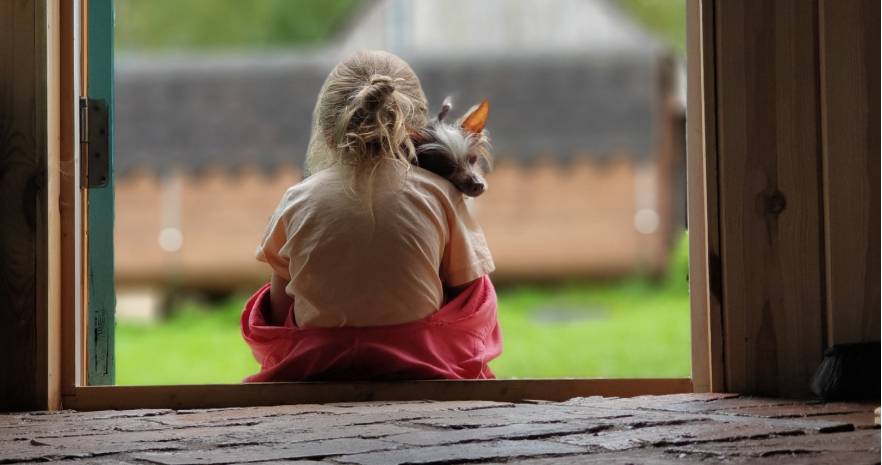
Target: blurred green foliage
219,24
666,18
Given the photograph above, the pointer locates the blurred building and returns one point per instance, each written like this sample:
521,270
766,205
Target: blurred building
433,28
586,123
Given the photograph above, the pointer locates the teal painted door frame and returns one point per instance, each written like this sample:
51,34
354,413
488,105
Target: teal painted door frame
101,294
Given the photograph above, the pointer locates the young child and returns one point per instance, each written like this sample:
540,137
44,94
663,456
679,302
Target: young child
379,270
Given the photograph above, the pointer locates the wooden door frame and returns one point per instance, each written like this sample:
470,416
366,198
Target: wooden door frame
704,263
99,210
702,191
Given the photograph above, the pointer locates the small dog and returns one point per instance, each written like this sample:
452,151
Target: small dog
459,152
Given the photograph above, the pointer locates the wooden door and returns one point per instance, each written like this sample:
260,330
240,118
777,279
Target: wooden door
101,298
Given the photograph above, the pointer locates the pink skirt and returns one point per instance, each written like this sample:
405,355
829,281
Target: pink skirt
456,342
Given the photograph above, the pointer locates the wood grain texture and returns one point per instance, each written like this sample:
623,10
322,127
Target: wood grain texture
241,395
43,232
69,188
101,294
769,194
82,318
849,55
51,289
702,204
696,205
23,209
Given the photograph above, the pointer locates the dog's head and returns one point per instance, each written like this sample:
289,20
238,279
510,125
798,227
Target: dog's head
459,152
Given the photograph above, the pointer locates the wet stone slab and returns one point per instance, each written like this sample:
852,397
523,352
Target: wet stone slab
262,453
459,453
687,433
680,429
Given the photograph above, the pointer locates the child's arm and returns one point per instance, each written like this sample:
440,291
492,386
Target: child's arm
466,257
280,301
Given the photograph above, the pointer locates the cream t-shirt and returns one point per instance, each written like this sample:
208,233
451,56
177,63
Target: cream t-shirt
378,258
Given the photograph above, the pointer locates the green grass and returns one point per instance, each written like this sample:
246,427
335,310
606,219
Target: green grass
198,344
627,329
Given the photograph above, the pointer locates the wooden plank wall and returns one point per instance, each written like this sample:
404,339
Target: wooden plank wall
23,190
798,170
849,49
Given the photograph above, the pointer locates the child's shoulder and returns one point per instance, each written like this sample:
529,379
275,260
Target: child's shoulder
299,192
309,184
439,186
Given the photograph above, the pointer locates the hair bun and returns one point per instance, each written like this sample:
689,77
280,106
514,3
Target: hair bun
379,79
375,94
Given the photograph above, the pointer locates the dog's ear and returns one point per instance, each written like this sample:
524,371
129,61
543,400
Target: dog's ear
475,119
445,108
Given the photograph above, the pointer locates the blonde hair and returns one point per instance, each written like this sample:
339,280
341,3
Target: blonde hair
366,110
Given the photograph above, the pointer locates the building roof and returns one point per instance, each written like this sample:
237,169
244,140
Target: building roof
234,111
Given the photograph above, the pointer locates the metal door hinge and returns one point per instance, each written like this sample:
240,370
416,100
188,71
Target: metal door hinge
94,142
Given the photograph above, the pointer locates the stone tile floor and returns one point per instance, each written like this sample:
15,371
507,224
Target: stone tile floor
674,429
